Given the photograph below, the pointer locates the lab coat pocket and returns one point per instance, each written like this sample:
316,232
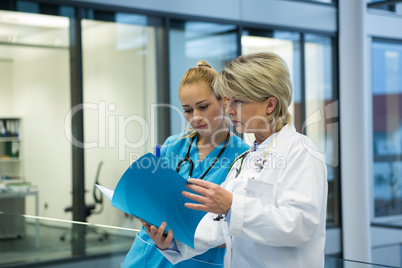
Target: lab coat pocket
260,189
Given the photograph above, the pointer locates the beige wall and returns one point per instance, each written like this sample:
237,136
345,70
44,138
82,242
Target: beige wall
6,100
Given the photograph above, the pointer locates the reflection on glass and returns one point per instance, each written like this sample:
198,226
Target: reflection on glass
35,87
190,42
319,90
321,110
33,29
119,75
39,242
387,133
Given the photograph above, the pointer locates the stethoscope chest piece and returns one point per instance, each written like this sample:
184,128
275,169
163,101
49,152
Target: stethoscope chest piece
259,164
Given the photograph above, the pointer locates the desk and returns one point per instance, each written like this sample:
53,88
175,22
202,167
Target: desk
35,193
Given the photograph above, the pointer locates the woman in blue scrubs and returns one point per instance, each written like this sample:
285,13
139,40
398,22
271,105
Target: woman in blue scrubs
209,145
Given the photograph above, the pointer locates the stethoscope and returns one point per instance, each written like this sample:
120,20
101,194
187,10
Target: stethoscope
259,163
188,159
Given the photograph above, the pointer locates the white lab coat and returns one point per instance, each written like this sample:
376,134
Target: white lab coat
278,215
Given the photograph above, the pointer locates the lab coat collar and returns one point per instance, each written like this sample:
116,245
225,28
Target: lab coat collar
284,132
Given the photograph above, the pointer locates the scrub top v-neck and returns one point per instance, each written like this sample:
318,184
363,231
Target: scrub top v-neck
143,252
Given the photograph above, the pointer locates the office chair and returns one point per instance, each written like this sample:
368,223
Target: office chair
90,209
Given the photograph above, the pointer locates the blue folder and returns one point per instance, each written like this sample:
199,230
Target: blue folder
152,191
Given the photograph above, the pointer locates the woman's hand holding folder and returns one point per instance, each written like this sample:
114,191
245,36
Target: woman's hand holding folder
158,235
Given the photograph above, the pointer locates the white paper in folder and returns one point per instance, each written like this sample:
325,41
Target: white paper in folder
106,191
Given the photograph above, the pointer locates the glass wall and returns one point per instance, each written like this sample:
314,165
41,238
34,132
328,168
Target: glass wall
35,89
321,111
190,42
387,133
314,104
126,62
287,45
119,91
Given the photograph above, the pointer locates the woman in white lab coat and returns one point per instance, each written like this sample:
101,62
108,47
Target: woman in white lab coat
271,209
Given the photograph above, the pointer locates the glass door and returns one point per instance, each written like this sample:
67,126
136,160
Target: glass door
119,53
387,131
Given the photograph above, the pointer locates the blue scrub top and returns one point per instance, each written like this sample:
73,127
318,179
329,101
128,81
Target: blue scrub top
143,252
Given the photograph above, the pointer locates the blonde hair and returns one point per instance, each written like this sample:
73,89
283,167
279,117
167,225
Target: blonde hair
256,77
201,73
